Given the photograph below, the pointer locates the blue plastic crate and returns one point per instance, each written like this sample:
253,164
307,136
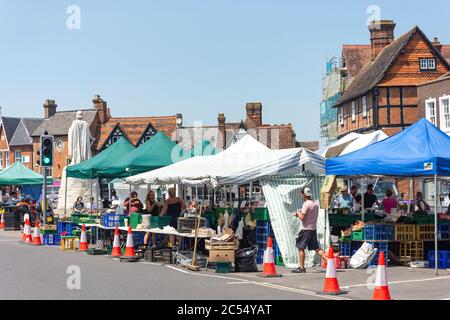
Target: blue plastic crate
51,239
138,238
379,232
113,220
443,231
66,227
381,246
276,250
260,256
345,249
443,259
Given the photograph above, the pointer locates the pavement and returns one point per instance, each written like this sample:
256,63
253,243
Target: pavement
29,272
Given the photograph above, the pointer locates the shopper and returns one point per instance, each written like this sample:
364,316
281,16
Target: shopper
345,199
308,236
134,204
91,206
152,208
370,198
389,202
78,205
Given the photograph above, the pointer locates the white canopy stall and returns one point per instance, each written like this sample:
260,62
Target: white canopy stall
282,174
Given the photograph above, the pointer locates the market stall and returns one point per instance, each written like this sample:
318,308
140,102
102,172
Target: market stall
245,162
422,150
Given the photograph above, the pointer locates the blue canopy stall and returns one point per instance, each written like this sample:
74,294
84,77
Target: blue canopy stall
422,150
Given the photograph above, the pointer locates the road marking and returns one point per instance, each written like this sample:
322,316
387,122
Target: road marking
241,282
446,299
264,284
400,282
150,263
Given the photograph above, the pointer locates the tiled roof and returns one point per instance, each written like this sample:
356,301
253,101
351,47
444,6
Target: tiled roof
61,121
356,57
134,128
446,52
22,136
372,74
10,125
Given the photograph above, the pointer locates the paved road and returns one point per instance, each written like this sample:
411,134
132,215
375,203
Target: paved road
28,272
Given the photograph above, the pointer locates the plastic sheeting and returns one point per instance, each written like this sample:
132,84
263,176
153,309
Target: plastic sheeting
283,198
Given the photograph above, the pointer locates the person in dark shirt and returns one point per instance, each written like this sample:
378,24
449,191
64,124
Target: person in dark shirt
370,198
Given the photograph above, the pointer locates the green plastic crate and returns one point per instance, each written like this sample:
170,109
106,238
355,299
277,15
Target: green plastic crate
223,267
279,261
261,214
49,231
358,235
135,219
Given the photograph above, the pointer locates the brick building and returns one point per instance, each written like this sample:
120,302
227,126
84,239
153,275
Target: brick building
226,133
383,93
434,102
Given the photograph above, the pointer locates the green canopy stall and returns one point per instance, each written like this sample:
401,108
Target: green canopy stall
18,174
90,168
156,153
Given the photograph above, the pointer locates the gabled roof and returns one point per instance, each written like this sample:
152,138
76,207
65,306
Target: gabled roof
61,121
371,75
446,52
9,126
133,128
22,135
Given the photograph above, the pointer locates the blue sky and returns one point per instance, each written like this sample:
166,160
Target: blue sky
199,58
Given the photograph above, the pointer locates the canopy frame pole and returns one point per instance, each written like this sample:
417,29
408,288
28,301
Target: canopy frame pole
65,194
92,202
410,196
436,225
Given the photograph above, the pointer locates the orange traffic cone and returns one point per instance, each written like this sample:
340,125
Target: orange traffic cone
269,262
116,252
37,235
83,239
331,286
2,221
129,250
27,232
381,291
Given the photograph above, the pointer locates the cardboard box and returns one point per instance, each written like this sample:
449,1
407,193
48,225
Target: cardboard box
222,255
327,191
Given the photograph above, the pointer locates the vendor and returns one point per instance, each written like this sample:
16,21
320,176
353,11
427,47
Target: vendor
420,203
91,205
370,198
151,207
389,202
345,199
135,204
173,207
78,205
25,203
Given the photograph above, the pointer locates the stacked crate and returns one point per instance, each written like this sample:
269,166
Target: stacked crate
411,251
263,231
443,259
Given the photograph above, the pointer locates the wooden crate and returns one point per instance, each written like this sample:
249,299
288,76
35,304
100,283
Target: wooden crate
425,232
68,243
222,255
234,245
49,227
411,251
405,232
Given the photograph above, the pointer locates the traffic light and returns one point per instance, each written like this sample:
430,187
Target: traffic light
46,151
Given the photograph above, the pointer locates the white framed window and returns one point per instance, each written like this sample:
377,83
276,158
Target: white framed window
7,158
1,159
423,64
427,64
432,64
17,156
353,111
25,159
364,106
430,110
341,116
444,108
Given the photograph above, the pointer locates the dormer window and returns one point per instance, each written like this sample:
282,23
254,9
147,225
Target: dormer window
427,64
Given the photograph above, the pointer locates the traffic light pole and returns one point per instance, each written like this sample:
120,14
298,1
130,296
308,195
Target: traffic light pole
44,209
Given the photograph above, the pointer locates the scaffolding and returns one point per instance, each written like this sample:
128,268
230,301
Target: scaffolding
332,88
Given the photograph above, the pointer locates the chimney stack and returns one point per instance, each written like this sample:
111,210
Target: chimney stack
102,109
49,108
254,113
222,142
437,44
381,35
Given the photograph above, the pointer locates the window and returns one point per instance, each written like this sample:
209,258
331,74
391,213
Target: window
353,111
1,159
430,110
18,156
364,106
7,158
427,64
341,116
444,103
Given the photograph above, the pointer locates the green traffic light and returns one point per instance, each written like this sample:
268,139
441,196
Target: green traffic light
46,160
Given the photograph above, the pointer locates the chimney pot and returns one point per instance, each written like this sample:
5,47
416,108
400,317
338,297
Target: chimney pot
437,44
49,108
